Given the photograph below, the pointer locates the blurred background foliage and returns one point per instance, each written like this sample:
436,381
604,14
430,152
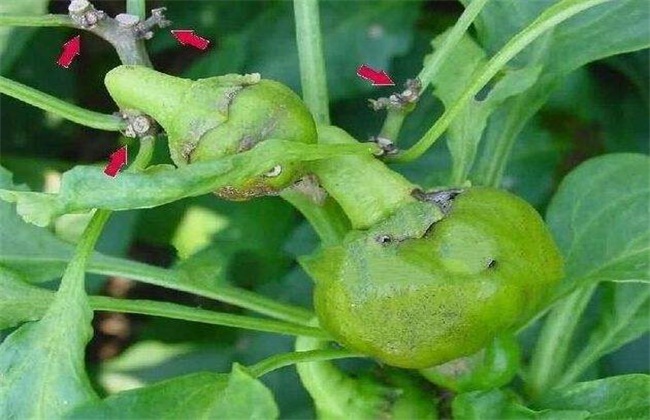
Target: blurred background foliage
253,244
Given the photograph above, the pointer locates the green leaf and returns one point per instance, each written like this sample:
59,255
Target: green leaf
201,395
617,397
624,316
599,219
17,300
12,40
373,33
467,128
42,363
87,187
504,405
570,45
35,253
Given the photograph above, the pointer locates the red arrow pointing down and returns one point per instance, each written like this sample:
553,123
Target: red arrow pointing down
117,160
188,37
71,49
377,77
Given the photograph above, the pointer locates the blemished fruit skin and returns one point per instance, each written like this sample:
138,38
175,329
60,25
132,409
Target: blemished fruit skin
442,288
491,367
215,117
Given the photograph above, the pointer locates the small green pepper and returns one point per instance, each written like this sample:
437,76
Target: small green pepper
393,395
424,279
215,117
489,368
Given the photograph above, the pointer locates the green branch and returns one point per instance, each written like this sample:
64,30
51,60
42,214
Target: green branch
74,275
313,78
61,108
136,8
327,219
432,66
285,359
177,280
550,18
42,20
395,116
175,311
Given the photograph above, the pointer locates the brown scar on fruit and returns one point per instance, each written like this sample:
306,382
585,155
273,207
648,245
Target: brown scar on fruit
187,149
248,141
442,198
227,99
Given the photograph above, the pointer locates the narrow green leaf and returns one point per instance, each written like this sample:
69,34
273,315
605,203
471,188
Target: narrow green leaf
570,45
201,395
617,397
87,187
504,405
26,249
467,128
19,301
599,219
42,363
624,315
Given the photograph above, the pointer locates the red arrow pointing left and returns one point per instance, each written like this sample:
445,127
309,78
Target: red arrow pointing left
71,49
118,159
188,37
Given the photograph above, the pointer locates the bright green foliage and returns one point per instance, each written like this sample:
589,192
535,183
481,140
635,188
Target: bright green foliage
87,187
465,132
606,197
623,396
417,295
18,301
568,46
505,405
401,282
199,395
45,359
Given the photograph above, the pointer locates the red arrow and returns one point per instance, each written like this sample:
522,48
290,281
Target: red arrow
188,37
118,159
377,77
70,51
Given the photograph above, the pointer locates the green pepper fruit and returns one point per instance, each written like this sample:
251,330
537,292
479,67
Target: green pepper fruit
337,395
210,118
437,279
489,368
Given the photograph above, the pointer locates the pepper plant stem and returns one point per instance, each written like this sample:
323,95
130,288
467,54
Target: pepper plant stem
61,108
327,219
313,78
365,188
73,277
175,311
285,359
34,21
554,341
551,17
176,280
136,8
432,66
395,117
